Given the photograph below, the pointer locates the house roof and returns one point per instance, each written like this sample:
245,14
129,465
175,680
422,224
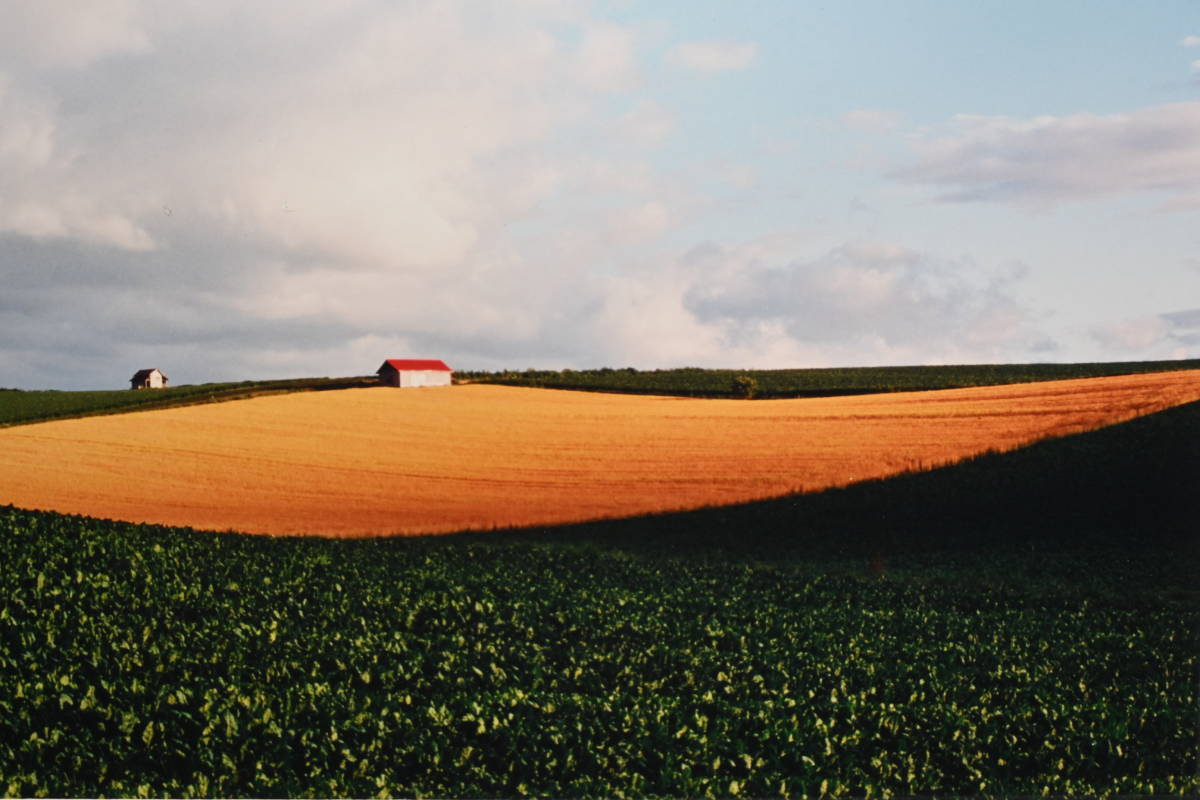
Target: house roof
142,374
401,364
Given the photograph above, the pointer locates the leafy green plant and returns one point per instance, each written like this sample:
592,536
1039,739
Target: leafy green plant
1042,640
745,386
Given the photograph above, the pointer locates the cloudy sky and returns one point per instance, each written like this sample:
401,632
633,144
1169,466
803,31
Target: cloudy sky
232,190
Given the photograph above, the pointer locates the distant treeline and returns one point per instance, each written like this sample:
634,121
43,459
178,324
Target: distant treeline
17,407
697,382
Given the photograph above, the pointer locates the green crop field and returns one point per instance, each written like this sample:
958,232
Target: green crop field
20,406
813,382
1018,624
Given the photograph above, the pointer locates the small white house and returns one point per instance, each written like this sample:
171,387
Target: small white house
408,372
148,379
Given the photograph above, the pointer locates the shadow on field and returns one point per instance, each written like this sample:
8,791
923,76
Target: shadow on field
1131,485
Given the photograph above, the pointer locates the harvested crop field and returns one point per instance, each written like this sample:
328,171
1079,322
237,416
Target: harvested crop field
382,461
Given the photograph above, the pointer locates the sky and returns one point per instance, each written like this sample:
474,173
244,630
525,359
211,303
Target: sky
230,191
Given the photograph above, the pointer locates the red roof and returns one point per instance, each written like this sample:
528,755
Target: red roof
416,363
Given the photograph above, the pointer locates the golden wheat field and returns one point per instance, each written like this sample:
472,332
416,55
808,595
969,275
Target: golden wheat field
384,461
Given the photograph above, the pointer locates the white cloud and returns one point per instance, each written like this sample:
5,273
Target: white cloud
644,315
38,200
1131,335
377,143
856,303
1075,157
641,221
713,56
738,176
647,124
63,33
1171,335
306,174
253,188
374,145
1184,325
26,128
1190,41
865,119
605,60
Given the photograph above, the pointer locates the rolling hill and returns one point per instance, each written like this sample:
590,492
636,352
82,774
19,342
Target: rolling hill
376,462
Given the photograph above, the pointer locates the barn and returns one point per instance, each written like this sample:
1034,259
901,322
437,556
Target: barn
148,379
406,372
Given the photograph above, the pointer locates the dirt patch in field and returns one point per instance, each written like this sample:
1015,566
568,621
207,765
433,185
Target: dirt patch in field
379,461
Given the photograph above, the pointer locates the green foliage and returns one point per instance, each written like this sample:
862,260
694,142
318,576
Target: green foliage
695,382
759,657
745,386
18,407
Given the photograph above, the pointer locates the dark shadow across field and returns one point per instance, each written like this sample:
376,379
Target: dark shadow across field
958,620
1135,484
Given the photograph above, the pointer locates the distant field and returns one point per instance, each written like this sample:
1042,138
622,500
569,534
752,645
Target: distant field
19,406
695,382
377,462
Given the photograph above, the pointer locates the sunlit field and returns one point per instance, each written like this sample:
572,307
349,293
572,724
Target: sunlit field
378,461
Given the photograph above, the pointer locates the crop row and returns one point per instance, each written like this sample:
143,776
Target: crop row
694,381
148,661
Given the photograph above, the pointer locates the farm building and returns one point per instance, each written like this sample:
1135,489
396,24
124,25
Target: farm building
406,372
148,379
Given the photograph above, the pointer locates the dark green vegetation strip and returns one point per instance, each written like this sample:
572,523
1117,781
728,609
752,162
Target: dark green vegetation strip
19,406
1020,624
695,382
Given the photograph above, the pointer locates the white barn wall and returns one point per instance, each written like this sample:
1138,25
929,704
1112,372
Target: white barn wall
426,377
414,372
154,380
